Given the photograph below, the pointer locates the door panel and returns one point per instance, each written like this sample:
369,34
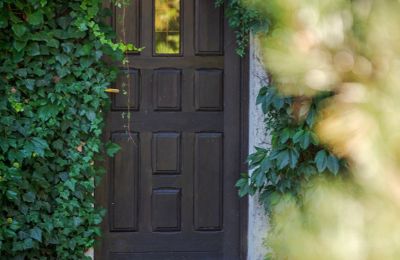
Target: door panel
169,192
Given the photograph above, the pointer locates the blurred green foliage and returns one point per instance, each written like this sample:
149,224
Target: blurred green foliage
295,154
349,49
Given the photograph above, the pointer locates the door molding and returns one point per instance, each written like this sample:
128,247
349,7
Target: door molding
244,149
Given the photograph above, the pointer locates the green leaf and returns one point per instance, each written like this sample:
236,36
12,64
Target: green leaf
29,196
19,29
12,195
62,59
112,149
333,164
265,165
19,45
64,22
305,141
47,112
53,43
283,159
294,157
321,160
314,139
285,135
28,243
71,184
77,221
297,136
33,49
29,84
35,18
39,145
36,233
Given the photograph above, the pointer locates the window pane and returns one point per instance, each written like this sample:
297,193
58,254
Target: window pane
167,26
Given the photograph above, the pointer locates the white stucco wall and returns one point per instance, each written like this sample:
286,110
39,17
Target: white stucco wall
258,222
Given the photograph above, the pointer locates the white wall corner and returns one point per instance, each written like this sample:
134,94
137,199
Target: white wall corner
258,224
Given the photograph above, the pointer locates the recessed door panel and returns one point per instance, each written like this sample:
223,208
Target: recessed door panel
124,177
167,89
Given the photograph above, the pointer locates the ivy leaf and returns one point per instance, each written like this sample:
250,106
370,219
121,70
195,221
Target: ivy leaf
321,160
333,164
265,165
4,144
33,49
52,43
64,22
62,59
36,233
35,18
48,111
12,195
19,29
71,184
112,149
19,45
297,136
285,135
260,179
278,102
39,145
241,184
294,157
77,221
311,117
28,243
29,196
29,84
283,159
305,141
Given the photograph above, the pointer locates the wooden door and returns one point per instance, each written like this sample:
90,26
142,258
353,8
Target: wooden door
169,193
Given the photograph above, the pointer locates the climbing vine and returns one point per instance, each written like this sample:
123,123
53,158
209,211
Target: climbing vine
52,101
295,154
243,19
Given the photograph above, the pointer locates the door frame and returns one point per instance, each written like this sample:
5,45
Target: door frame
244,151
244,148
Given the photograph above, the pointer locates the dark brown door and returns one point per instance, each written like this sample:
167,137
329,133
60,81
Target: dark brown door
170,192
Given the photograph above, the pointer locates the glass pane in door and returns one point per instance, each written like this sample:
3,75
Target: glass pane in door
167,27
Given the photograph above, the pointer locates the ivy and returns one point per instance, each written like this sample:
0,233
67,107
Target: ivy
295,154
243,19
52,99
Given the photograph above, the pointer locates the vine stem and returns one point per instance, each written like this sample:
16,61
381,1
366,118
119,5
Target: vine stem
125,63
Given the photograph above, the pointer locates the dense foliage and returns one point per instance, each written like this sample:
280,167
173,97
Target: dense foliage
52,82
242,19
295,154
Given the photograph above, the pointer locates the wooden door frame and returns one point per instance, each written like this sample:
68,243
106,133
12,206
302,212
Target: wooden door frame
244,148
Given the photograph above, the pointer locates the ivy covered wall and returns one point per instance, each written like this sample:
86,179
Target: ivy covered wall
52,100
